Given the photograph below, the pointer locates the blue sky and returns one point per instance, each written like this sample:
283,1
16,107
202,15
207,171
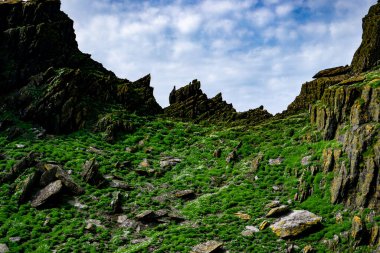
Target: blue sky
256,52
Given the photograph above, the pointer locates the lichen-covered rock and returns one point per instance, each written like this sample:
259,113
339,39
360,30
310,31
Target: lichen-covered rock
47,193
359,232
207,247
91,173
278,211
295,223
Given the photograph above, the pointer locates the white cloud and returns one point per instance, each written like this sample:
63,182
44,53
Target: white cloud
254,52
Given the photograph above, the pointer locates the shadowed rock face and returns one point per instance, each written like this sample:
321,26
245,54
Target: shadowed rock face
368,54
190,103
45,77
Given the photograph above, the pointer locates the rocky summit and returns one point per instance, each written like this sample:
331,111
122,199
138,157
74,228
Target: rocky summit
90,162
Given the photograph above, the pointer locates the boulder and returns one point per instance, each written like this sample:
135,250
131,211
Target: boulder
91,174
28,185
3,248
207,247
278,211
168,161
47,193
295,224
146,216
185,194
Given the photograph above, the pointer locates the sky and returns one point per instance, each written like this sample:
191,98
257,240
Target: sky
256,52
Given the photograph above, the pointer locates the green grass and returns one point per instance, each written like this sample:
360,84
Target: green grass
222,189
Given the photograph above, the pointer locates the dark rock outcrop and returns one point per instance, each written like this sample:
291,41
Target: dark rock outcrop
190,103
45,77
91,173
368,54
350,114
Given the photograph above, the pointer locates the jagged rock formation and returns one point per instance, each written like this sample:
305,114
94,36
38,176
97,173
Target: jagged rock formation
368,54
350,114
189,102
46,77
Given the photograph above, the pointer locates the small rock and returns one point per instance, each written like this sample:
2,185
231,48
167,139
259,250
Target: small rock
339,217
185,194
217,153
256,178
3,248
247,233
264,225
308,249
146,216
277,211
130,149
20,146
15,239
47,193
295,223
256,162
167,162
141,240
275,188
119,185
252,228
91,224
276,161
91,173
306,160
292,248
27,186
243,216
95,151
75,202
207,247
116,202
144,163
231,157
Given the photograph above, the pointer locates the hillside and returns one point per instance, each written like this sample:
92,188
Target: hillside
90,162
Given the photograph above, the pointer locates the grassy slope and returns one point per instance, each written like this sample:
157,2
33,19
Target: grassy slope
222,188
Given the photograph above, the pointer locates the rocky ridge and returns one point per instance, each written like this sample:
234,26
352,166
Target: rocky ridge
190,103
48,80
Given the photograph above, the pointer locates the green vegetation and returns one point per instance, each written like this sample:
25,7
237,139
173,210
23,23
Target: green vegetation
222,188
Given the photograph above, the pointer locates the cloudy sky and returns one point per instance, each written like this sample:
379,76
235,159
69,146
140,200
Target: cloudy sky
256,52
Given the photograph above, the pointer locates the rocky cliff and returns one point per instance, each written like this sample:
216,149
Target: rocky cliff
47,79
189,102
344,104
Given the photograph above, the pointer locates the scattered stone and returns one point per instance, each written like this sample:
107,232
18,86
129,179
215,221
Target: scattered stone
306,160
20,146
119,185
141,240
26,162
217,153
116,202
185,194
130,149
247,233
256,178
264,225
92,224
308,249
207,247
276,188
15,239
68,182
243,216
277,211
75,202
91,173
295,223
95,151
47,193
339,217
144,163
252,228
3,248
292,248
168,162
231,156
256,162
276,161
124,222
27,186
146,216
